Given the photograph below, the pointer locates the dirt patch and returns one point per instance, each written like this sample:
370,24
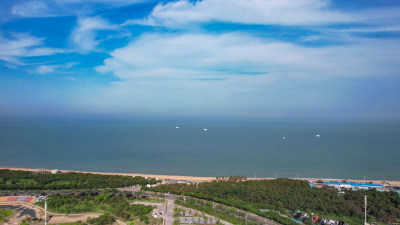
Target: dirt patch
54,217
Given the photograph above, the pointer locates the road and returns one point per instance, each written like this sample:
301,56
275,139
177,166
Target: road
170,205
206,215
131,189
167,210
249,214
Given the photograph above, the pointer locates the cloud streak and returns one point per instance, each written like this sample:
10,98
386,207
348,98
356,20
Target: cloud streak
282,12
45,69
195,73
13,50
183,13
225,56
55,8
84,34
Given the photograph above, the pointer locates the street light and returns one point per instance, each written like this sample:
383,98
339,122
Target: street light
45,211
365,210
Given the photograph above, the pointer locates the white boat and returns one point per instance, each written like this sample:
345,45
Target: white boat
317,135
205,129
177,127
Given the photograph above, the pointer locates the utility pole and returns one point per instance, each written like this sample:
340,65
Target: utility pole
365,209
45,211
166,204
276,175
297,176
255,174
364,179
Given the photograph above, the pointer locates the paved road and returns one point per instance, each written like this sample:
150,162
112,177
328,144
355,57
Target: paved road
132,189
172,198
169,214
206,215
167,210
24,210
249,214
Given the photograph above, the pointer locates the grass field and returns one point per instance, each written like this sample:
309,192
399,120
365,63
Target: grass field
152,200
4,214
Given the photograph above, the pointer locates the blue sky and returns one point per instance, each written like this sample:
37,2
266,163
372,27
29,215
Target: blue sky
234,58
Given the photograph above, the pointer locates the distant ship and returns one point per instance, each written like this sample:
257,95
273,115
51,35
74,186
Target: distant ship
317,135
284,138
205,129
177,127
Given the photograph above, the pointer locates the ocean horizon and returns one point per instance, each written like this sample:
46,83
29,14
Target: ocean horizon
343,150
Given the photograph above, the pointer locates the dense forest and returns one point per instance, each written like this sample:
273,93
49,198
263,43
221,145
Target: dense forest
286,195
116,205
13,180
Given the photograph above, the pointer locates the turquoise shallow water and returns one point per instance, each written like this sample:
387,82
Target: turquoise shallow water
344,150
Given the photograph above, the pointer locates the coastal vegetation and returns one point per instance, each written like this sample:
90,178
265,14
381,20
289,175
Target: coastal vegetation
15,180
117,206
286,196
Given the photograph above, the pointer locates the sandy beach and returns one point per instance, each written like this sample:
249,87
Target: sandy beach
194,178
160,177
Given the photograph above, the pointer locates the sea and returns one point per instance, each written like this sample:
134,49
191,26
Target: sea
284,148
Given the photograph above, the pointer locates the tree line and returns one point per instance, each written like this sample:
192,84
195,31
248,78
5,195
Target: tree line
14,180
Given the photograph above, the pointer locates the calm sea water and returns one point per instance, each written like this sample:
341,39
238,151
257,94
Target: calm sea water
343,150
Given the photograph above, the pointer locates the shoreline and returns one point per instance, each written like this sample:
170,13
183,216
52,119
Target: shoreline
198,178
160,177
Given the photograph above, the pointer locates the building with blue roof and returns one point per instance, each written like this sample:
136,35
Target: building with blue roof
353,185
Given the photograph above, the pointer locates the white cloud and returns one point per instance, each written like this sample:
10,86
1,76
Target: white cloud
43,69
282,12
200,56
23,45
372,29
31,9
388,16
70,64
84,34
223,71
110,2
311,38
52,8
266,12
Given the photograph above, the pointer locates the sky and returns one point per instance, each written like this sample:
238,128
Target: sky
223,58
